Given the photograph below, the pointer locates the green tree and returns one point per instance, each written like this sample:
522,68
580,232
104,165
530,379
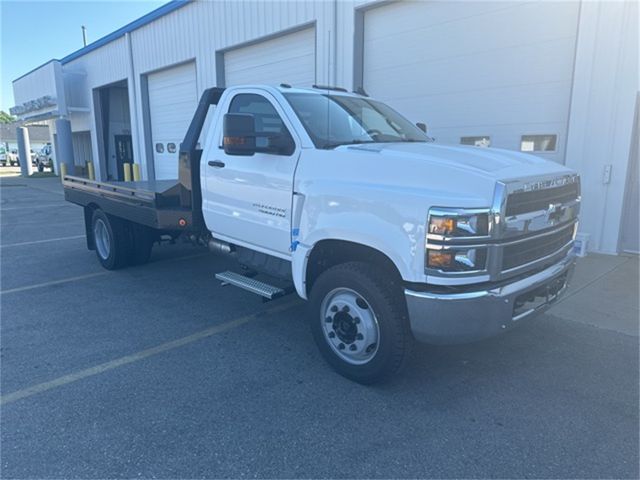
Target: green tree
6,118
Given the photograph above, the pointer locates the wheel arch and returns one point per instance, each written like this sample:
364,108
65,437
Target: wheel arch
327,253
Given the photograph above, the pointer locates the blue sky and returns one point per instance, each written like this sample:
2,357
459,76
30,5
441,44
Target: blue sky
33,32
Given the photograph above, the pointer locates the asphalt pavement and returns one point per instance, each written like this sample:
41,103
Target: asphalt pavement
158,371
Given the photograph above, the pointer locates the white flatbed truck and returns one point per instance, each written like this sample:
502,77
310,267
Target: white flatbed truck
391,237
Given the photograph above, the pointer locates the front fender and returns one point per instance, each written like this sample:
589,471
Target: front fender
400,242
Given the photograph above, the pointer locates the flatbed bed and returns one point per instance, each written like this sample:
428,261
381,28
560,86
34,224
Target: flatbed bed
164,205
155,204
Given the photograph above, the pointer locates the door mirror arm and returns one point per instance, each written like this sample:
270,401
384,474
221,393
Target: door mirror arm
279,144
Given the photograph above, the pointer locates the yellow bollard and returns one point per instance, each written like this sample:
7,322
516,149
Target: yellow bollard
127,171
63,170
136,172
90,171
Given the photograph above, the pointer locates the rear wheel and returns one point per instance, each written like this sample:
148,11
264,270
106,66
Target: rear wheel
359,322
110,240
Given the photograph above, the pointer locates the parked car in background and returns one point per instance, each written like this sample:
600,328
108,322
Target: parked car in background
44,159
8,157
13,158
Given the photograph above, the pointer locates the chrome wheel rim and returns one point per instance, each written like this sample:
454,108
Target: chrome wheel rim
102,240
350,326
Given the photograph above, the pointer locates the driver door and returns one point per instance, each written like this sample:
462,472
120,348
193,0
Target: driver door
248,198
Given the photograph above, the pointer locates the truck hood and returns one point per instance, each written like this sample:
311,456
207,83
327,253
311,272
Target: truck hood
421,174
489,163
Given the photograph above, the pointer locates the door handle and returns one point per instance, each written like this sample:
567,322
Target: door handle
216,163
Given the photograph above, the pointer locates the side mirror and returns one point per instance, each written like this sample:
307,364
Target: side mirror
422,126
239,134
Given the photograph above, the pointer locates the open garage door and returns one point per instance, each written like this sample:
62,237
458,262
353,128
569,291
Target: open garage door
173,98
82,150
288,59
476,72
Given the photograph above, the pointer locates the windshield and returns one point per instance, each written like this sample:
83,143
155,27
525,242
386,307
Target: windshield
334,120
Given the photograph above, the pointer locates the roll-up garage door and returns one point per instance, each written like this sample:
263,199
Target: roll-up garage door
82,152
288,59
173,98
501,70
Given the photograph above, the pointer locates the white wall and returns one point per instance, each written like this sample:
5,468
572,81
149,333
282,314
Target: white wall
36,84
602,109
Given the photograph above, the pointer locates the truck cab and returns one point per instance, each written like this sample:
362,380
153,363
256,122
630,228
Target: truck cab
390,236
44,158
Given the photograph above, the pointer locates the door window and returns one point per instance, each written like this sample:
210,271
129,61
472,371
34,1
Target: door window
268,122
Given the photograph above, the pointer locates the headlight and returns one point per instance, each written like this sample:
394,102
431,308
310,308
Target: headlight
457,259
458,223
457,240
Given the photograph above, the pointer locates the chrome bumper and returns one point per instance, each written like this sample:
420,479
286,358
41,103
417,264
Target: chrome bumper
469,316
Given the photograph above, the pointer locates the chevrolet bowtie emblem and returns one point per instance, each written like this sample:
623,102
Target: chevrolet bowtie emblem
554,211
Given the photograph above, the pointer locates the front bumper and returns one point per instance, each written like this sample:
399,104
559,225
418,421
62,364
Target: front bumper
465,317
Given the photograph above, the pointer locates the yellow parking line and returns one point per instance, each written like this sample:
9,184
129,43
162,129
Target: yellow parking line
34,242
90,275
54,282
31,207
119,362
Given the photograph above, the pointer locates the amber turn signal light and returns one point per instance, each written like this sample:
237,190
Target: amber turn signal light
439,259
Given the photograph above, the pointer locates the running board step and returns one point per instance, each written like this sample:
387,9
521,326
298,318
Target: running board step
251,285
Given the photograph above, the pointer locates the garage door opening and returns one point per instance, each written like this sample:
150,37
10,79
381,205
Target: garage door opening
113,123
82,153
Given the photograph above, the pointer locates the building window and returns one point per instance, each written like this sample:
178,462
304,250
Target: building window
159,148
171,147
483,141
538,143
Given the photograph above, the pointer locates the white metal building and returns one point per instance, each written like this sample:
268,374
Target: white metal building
559,79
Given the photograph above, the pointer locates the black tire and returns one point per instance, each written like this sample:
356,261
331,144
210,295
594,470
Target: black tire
40,167
114,255
388,305
141,239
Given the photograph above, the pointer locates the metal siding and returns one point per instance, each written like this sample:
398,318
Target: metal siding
476,68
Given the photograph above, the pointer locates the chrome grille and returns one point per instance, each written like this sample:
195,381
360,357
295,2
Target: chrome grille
531,201
523,252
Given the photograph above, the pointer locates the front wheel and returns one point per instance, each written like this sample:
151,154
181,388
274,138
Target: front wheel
359,322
